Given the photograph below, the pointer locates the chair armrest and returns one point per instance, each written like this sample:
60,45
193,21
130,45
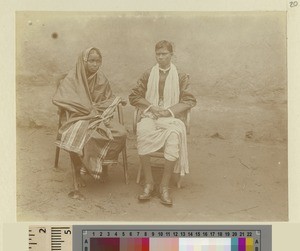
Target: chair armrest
120,113
136,118
134,125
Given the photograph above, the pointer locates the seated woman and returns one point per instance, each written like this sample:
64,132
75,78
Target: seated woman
89,135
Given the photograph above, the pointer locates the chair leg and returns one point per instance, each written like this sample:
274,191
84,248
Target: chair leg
125,166
57,137
138,177
178,180
56,157
124,154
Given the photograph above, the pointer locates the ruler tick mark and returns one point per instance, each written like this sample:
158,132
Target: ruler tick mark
60,228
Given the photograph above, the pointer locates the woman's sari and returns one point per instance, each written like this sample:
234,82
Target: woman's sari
88,130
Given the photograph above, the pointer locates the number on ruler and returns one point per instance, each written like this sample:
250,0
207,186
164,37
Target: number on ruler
67,232
42,230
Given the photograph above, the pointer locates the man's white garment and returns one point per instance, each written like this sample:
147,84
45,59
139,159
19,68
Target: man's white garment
167,132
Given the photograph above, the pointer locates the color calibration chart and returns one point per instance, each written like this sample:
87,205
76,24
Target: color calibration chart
151,238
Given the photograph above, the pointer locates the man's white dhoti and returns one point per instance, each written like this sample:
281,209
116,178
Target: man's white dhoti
153,134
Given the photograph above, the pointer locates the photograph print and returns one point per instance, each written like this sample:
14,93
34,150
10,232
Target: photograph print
151,116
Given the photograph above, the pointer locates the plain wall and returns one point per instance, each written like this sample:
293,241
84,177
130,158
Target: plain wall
229,56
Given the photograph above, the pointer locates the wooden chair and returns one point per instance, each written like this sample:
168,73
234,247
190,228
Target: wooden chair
63,116
160,153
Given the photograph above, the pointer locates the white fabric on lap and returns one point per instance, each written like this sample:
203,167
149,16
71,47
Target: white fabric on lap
171,151
153,134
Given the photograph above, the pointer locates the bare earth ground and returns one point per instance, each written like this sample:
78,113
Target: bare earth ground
238,171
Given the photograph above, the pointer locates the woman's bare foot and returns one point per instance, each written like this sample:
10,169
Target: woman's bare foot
76,195
103,177
80,181
104,174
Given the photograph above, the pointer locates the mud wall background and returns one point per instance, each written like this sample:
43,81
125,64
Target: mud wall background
236,62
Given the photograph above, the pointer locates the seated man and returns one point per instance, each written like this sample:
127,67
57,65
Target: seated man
163,94
88,133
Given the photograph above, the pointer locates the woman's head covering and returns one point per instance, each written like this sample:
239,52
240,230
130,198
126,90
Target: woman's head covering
85,54
74,92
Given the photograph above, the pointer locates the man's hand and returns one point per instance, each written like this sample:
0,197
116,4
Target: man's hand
155,110
165,113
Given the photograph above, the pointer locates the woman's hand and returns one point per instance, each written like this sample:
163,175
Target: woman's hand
94,112
106,122
123,102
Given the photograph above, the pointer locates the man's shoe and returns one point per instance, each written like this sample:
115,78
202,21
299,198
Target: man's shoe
165,196
146,195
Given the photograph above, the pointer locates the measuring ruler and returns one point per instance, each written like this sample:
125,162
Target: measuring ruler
96,237
50,238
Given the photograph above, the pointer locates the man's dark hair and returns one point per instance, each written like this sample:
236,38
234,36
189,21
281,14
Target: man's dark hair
164,44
